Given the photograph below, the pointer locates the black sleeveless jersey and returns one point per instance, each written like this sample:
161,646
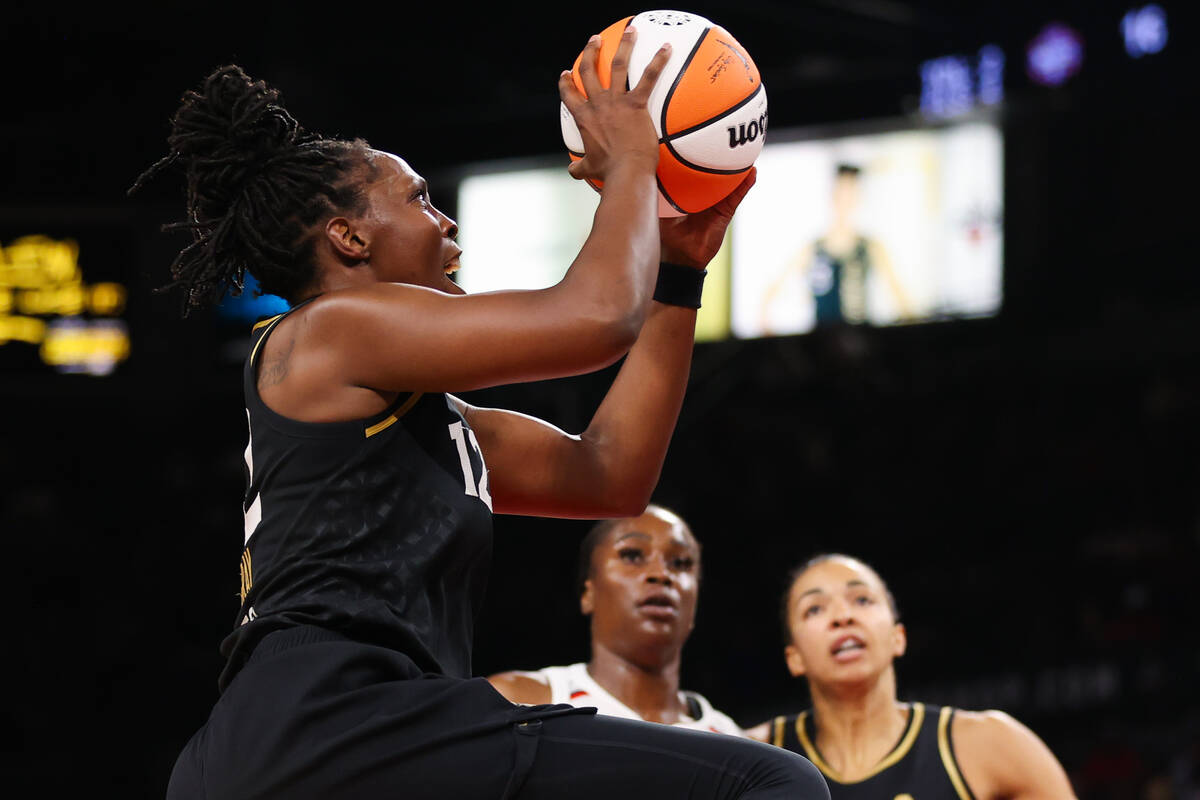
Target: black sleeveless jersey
379,529
839,283
921,766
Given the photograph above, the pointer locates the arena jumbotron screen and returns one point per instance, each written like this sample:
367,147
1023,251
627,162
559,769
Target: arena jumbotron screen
888,226
875,228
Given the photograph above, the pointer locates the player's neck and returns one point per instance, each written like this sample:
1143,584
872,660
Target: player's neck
858,726
841,236
649,688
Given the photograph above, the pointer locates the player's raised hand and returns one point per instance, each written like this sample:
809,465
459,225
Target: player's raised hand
614,122
694,239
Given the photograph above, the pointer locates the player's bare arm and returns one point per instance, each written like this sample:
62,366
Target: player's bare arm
521,687
433,339
612,467
1002,759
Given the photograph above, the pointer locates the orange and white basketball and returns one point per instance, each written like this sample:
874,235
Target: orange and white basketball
709,106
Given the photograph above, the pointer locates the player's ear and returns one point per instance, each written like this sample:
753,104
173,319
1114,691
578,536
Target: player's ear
587,601
899,640
795,661
347,239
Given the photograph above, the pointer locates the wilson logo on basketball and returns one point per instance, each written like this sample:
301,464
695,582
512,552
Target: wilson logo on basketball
747,133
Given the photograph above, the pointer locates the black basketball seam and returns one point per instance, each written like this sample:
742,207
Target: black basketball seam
662,122
662,126
662,190
726,112
710,170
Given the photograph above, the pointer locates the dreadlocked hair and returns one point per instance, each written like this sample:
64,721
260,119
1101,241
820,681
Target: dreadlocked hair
256,184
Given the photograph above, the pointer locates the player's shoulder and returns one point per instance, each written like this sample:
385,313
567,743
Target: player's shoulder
991,745
774,729
984,727
343,311
992,737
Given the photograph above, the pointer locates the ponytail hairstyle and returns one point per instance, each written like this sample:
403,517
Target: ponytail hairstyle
256,184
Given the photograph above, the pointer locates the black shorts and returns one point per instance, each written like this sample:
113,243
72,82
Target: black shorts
313,715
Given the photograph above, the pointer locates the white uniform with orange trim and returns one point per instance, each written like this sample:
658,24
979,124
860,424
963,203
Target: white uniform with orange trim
573,684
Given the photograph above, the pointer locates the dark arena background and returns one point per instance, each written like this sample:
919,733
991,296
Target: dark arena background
1024,475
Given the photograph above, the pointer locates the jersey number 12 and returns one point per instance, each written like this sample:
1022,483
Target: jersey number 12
461,435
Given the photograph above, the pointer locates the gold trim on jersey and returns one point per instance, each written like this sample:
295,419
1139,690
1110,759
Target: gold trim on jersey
915,718
948,759
262,338
247,571
777,739
393,417
266,321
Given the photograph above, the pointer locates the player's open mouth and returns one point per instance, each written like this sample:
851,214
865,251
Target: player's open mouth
658,606
846,645
451,266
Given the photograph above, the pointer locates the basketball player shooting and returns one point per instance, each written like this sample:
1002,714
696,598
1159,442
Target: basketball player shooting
371,487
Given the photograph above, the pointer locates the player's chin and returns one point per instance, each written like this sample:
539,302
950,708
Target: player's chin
661,629
852,673
450,287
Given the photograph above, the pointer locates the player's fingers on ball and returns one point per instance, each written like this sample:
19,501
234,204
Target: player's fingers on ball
653,71
577,169
735,197
572,98
587,67
728,204
620,62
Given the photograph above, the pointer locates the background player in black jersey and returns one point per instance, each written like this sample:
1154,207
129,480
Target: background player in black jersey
844,635
638,583
370,488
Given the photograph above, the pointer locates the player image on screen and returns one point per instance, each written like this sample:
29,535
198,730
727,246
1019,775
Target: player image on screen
877,228
370,486
843,635
836,267
638,583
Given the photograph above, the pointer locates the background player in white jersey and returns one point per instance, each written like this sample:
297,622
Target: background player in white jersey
639,578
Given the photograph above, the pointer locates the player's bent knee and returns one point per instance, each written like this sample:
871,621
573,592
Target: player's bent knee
809,780
791,776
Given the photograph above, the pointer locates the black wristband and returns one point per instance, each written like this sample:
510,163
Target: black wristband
679,285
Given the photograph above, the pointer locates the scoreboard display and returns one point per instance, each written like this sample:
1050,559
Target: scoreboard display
63,300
